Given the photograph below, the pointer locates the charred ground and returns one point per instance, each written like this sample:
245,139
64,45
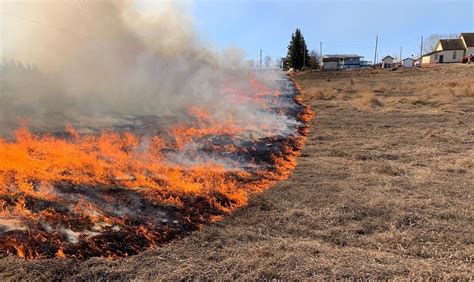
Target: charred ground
115,214
383,189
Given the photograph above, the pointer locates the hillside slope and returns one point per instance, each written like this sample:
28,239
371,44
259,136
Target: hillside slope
383,188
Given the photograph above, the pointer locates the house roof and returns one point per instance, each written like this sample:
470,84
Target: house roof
388,56
451,44
431,53
342,56
468,38
408,59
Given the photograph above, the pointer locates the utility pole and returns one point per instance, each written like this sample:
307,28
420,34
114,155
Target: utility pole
401,47
320,54
260,58
376,45
421,48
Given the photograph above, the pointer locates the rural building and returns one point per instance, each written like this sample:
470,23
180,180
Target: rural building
343,61
446,51
451,50
432,58
468,40
387,62
408,63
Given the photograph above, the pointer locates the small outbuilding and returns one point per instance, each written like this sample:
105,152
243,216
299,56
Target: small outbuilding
387,62
408,63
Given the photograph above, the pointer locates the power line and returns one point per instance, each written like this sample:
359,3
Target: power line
390,45
65,29
80,8
44,24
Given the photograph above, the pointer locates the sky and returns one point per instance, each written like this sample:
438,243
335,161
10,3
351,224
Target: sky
343,26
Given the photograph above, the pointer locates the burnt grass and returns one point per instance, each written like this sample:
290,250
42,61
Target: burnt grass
383,189
133,220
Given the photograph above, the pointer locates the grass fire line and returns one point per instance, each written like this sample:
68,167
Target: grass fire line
115,193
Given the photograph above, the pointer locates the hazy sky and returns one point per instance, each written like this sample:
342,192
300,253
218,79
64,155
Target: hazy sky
344,26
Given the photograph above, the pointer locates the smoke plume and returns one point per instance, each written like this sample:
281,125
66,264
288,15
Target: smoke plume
82,61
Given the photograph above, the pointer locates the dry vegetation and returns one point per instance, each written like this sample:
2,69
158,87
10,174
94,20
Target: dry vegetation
383,189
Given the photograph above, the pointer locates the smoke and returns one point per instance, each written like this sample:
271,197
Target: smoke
99,57
111,64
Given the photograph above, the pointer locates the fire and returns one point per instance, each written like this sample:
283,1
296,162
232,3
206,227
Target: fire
118,193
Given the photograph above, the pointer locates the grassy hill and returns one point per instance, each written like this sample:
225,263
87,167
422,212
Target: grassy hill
383,188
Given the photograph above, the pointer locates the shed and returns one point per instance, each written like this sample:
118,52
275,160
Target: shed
408,63
387,61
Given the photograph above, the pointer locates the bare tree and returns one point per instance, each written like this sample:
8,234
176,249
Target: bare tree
431,41
313,59
268,61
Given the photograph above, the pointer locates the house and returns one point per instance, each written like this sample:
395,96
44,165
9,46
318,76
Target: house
408,63
387,61
343,61
446,51
468,40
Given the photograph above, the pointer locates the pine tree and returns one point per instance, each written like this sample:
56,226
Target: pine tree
298,55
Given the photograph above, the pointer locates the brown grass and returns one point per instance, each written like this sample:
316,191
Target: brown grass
383,193
367,99
318,94
465,91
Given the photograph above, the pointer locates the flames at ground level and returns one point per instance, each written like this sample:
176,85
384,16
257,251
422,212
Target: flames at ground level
118,193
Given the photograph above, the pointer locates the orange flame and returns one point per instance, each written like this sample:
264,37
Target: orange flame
33,166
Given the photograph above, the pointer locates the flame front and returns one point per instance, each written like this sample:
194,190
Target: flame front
118,193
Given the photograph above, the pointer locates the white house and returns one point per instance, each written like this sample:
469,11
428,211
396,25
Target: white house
387,61
408,63
342,61
468,40
447,51
432,58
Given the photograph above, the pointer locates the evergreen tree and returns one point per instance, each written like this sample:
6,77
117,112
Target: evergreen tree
298,55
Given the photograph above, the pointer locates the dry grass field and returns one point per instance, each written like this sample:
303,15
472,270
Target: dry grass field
383,189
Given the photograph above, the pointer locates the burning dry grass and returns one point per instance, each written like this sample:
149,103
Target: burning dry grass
80,195
377,194
164,135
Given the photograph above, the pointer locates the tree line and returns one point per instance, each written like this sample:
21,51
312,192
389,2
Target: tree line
298,56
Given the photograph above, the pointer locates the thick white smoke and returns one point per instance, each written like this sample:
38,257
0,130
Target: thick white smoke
101,64
98,60
100,57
